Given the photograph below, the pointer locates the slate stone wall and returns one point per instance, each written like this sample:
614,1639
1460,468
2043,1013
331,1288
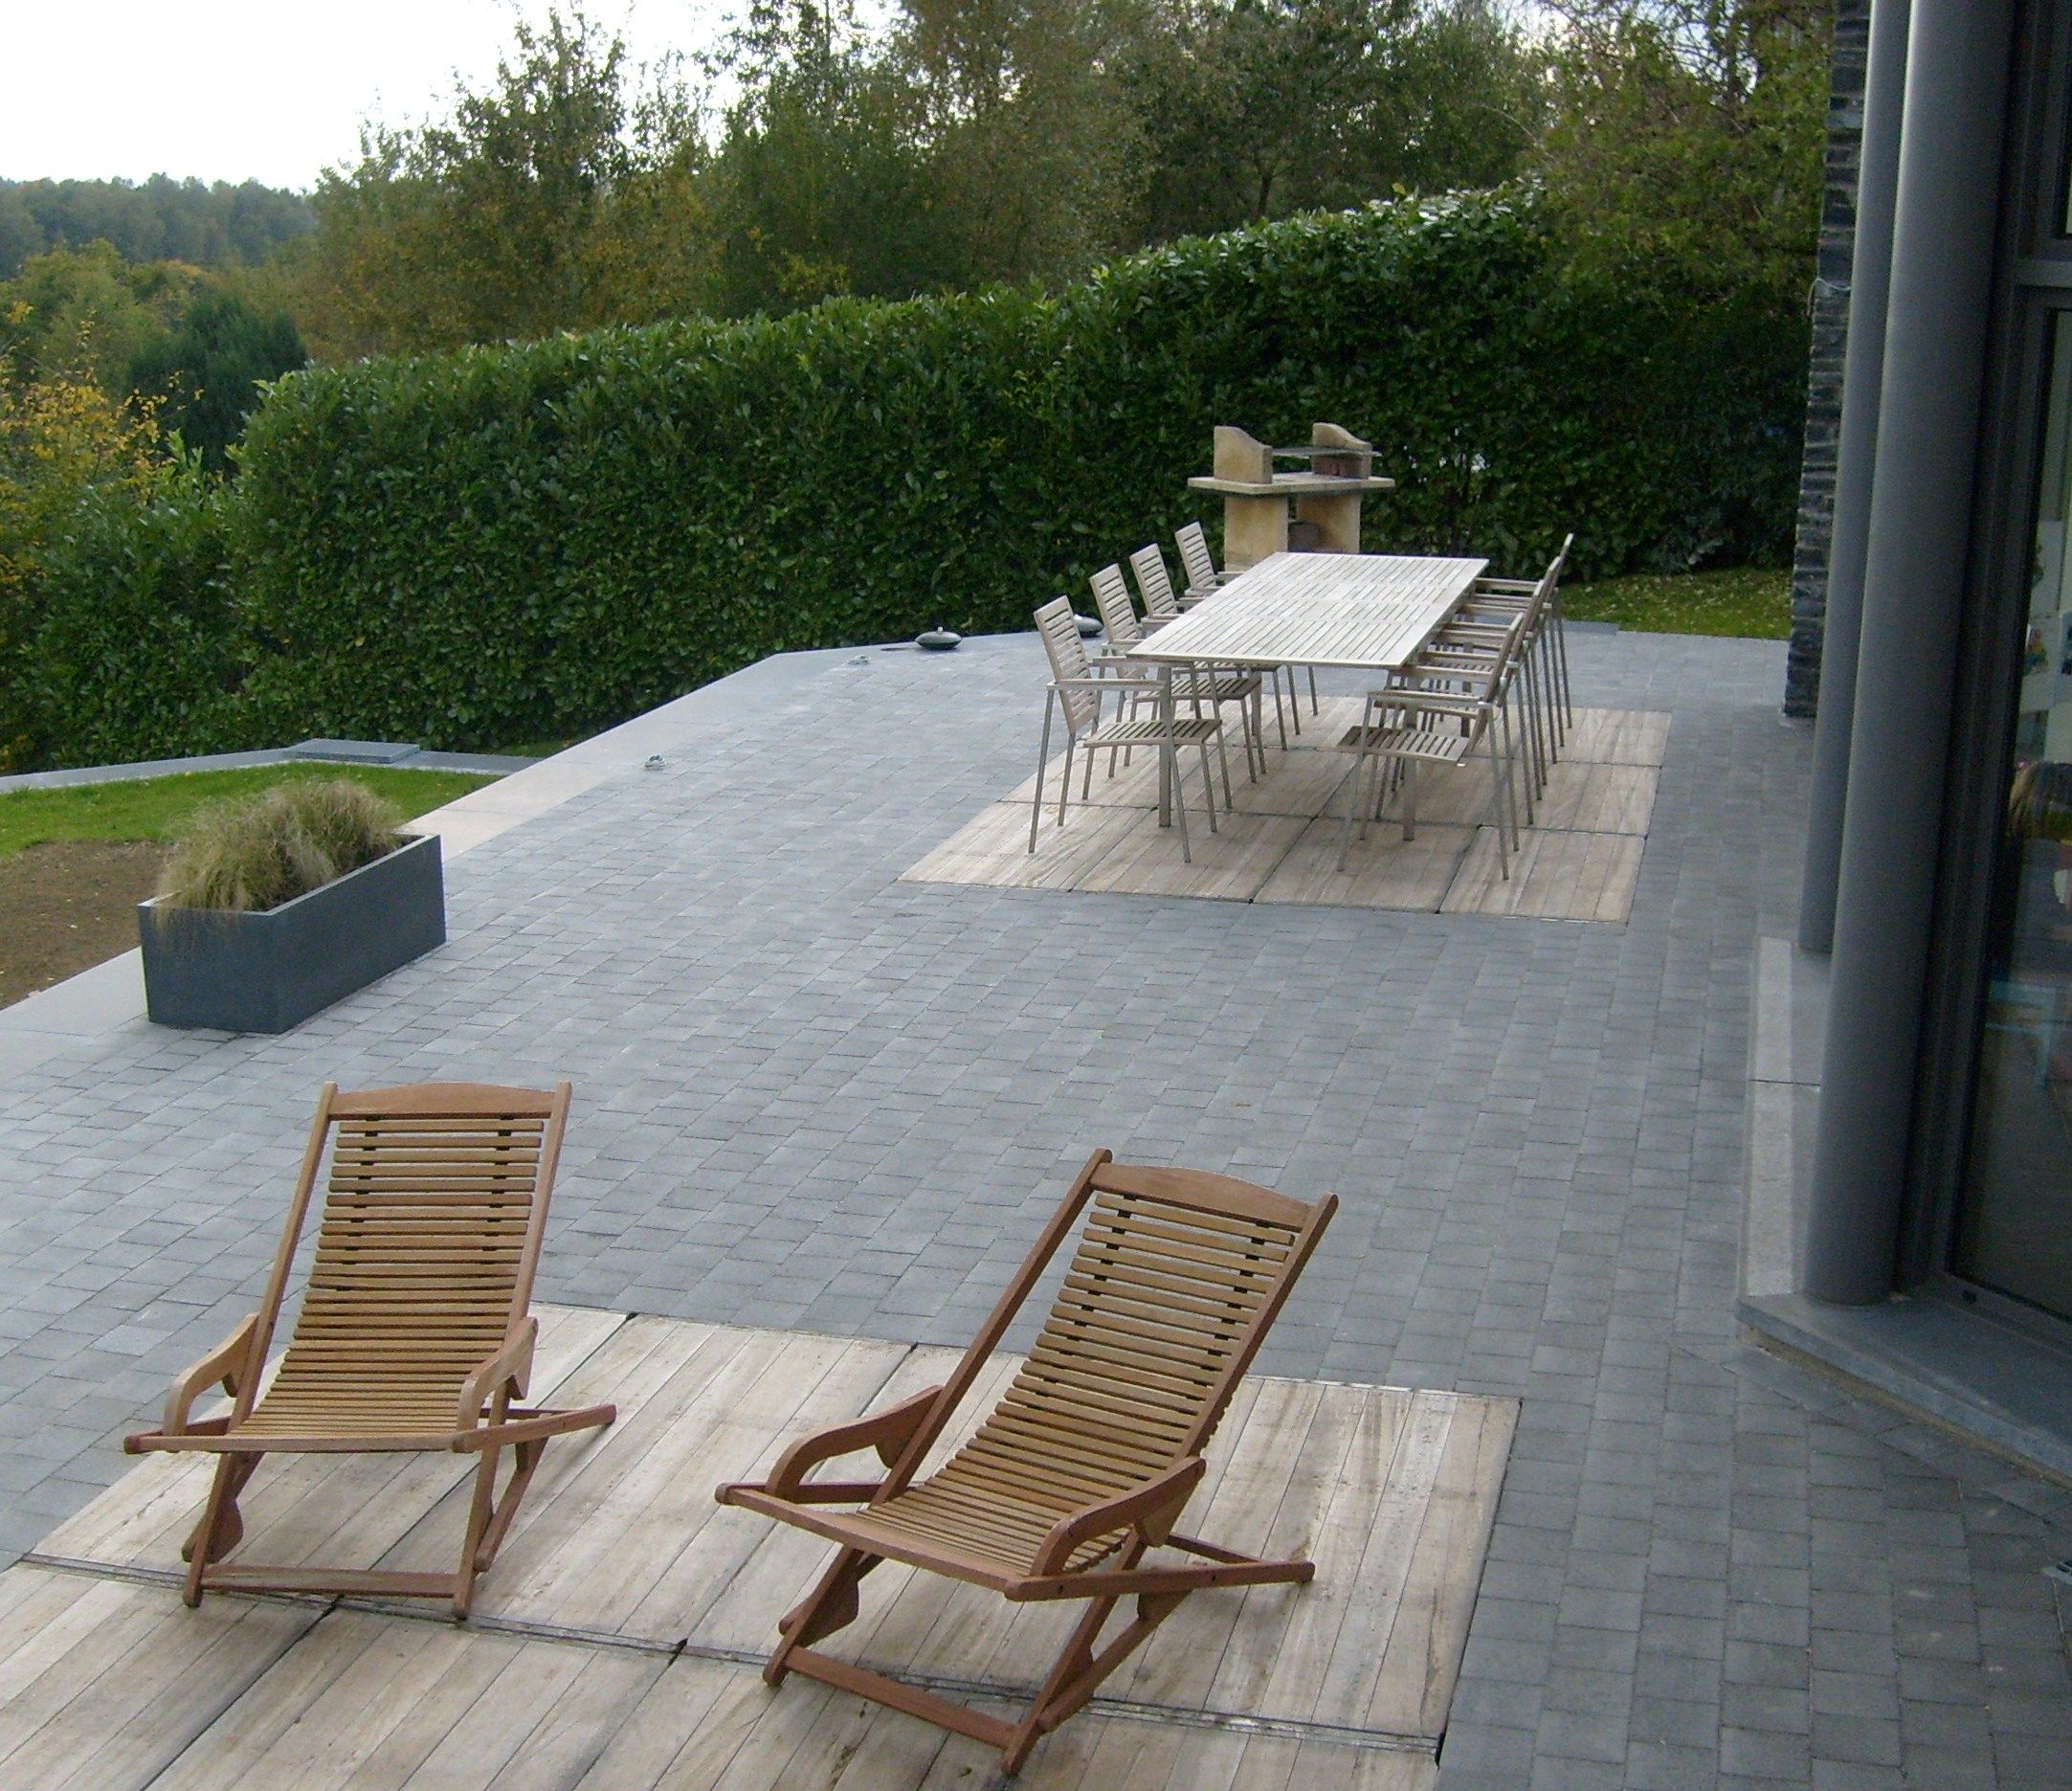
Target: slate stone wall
1829,304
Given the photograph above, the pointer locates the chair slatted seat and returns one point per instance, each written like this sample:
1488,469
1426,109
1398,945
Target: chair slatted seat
413,1332
1087,1459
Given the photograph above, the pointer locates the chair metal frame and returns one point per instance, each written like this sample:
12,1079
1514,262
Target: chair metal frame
1077,695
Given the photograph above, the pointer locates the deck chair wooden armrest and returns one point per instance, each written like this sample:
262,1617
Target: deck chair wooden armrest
1153,1508
510,1366
1082,684
220,1367
888,1432
1525,586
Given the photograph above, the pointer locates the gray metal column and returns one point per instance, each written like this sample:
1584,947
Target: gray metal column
1870,270
1913,590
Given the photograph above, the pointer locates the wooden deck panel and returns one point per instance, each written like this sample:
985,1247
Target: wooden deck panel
103,1682
1383,870
1134,786
379,1703
1583,797
707,1725
1578,860
1619,737
1554,876
1229,866
619,1554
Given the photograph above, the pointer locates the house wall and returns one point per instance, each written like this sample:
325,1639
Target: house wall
1829,305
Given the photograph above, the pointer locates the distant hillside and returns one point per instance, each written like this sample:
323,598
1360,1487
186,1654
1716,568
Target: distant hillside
208,224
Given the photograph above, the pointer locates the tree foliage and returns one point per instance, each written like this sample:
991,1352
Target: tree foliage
62,440
205,375
89,303
559,197
1255,108
1687,135
206,224
960,143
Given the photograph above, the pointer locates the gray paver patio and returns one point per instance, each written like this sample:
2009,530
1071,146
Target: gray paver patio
810,1095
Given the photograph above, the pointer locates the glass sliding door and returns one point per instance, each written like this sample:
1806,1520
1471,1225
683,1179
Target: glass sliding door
2014,1219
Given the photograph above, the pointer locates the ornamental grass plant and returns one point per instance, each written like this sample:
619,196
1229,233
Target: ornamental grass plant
254,855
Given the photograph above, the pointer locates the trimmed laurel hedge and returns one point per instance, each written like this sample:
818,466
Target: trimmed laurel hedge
530,540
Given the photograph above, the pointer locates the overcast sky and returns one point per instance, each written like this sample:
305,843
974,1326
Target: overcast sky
269,90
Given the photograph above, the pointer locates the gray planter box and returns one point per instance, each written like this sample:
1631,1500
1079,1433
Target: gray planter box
266,972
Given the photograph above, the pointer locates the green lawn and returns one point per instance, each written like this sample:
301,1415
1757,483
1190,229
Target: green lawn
1740,602
149,808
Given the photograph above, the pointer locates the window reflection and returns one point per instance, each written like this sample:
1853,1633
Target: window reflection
2014,1223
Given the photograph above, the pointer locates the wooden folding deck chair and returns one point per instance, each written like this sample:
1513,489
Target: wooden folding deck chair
1089,1457
415,1333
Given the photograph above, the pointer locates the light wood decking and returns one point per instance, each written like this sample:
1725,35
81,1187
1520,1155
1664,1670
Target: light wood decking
616,1647
1579,859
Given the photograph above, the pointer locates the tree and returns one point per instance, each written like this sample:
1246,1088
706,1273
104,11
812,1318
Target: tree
1687,135
213,225
821,184
89,302
1255,108
62,438
1034,143
557,199
204,376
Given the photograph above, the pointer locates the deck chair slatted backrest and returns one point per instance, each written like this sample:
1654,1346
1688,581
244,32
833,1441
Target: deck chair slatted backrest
1086,1461
1156,1318
424,1256
414,1334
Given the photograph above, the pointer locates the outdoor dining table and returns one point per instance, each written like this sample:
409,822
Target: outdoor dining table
1357,612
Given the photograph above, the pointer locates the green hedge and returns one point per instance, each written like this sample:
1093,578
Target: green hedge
139,644
528,541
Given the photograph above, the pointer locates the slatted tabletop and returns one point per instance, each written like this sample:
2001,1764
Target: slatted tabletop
1357,610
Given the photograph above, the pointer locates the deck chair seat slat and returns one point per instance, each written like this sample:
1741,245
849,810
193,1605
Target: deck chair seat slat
1137,1220
1175,1299
1091,1369
1231,1284
1153,1369
1133,1302
1201,1210
1092,1379
1182,1346
1098,1438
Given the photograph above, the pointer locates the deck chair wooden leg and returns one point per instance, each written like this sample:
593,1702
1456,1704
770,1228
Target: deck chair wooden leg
1073,1671
221,1527
830,1605
489,1517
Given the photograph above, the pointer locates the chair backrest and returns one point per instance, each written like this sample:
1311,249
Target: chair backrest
1195,559
433,1212
1149,566
1177,1278
1479,678
1118,614
1070,671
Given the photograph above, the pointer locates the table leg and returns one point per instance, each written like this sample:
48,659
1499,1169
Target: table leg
1167,752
